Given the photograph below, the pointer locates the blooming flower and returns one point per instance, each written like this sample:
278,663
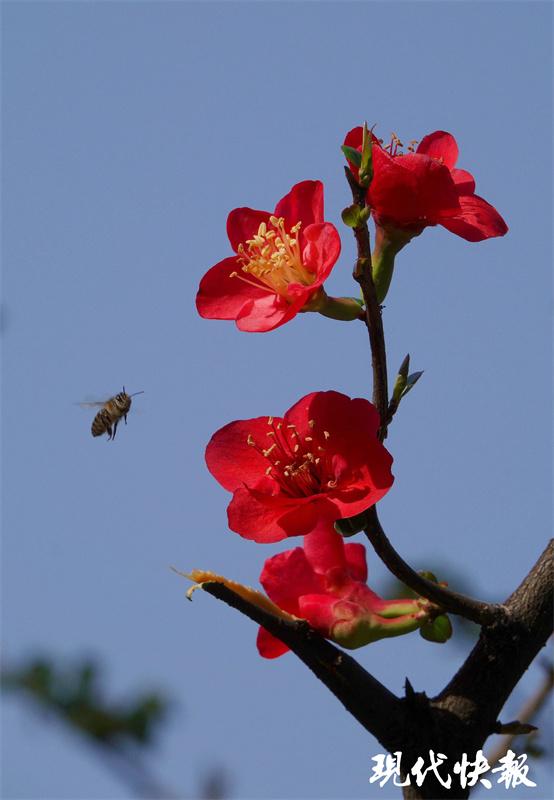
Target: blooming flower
410,191
290,475
324,582
281,262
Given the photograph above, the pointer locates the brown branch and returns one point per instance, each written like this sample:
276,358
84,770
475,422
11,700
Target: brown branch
465,713
373,317
477,693
371,703
462,717
527,713
475,610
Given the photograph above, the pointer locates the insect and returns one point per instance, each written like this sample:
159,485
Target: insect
110,414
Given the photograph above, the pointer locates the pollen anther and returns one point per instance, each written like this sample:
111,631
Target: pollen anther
274,258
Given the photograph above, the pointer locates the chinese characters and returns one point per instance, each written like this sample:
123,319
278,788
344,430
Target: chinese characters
512,770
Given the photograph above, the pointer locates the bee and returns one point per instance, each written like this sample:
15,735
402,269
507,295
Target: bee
110,414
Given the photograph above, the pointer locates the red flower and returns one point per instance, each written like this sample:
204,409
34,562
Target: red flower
325,583
321,462
410,191
281,263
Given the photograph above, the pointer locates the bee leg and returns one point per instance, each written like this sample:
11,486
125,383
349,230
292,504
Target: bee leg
115,428
125,416
109,431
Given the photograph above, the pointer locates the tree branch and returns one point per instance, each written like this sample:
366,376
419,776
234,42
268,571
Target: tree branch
465,713
371,703
471,703
462,717
475,610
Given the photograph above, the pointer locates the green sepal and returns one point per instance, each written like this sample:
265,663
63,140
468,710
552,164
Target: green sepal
404,366
439,630
349,526
351,216
352,155
354,216
365,175
401,380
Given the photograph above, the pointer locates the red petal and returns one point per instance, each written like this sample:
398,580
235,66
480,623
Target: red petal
354,138
255,517
288,575
266,313
223,297
320,249
307,515
356,560
304,203
465,183
269,646
243,223
299,414
378,464
370,496
231,460
440,145
345,418
477,221
412,188
318,609
324,549
363,596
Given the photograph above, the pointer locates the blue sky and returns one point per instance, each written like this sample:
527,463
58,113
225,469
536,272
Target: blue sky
130,130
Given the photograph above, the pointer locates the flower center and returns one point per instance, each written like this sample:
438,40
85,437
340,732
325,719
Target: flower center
299,465
273,257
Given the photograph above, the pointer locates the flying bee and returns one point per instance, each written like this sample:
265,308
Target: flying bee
110,414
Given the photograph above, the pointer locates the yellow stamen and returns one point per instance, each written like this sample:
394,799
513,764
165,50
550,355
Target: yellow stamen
273,257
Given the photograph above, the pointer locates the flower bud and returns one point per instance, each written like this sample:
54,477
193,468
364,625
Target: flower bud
438,630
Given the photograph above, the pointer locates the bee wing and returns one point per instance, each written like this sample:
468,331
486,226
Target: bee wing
92,404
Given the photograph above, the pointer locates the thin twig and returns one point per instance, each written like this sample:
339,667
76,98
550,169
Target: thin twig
373,317
475,610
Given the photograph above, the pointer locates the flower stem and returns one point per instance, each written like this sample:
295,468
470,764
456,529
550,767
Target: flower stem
475,610
342,308
388,243
374,322
383,263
